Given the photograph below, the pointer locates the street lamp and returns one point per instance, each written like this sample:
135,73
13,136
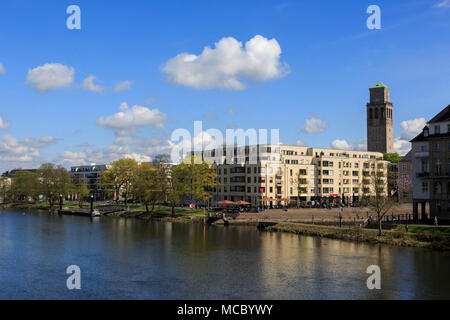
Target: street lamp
60,201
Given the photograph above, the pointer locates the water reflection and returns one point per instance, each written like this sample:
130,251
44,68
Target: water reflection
133,259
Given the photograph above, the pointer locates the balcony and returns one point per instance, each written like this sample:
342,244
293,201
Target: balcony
435,175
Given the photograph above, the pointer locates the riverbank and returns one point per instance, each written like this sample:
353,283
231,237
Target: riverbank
418,236
429,237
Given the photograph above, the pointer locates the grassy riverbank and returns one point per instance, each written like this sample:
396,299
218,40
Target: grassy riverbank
432,238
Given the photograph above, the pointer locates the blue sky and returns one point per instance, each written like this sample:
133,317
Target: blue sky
328,60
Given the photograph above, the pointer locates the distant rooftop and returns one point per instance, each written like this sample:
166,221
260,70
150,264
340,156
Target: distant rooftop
444,115
379,84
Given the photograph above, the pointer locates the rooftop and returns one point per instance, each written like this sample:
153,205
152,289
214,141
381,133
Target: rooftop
444,115
379,84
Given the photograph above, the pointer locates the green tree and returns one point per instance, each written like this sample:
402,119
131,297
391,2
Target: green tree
5,188
119,179
150,185
80,188
392,157
24,185
194,178
53,181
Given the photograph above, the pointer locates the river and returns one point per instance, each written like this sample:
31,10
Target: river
133,259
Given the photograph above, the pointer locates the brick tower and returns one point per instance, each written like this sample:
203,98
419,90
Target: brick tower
380,131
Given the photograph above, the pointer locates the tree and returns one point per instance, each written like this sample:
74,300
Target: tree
404,185
80,188
150,186
302,184
392,157
120,177
24,184
53,182
375,190
195,178
5,188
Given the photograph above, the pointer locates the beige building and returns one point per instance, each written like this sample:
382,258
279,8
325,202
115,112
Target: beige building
294,172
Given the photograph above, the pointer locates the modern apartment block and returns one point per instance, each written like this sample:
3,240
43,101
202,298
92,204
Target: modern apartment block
431,167
380,114
92,175
294,172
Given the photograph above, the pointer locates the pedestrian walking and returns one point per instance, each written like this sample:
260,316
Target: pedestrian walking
435,221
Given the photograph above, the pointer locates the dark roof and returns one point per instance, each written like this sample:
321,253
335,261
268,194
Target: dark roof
421,137
444,115
407,157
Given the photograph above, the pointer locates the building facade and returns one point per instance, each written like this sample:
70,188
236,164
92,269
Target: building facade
293,172
92,176
380,131
431,167
404,182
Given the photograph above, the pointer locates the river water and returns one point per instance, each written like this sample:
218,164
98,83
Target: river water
133,259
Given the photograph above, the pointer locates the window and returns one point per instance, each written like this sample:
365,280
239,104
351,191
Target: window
437,147
437,129
271,189
376,113
437,188
438,166
370,114
290,172
424,187
426,132
424,166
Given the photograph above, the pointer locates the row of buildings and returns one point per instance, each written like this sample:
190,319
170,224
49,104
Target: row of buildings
323,175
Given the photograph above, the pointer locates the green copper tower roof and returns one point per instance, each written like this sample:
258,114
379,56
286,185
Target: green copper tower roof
379,84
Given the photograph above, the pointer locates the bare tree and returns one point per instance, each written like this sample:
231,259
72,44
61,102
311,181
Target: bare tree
375,189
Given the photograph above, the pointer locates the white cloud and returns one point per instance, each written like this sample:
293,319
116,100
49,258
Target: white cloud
105,156
12,149
3,125
314,125
300,143
128,120
341,144
50,76
41,142
226,64
122,86
411,128
89,84
401,146
2,69
140,158
360,145
442,4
